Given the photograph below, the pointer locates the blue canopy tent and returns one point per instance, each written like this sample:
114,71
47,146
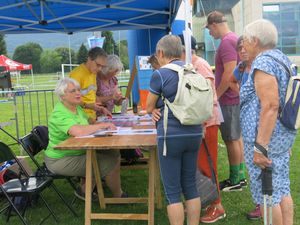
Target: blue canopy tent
69,16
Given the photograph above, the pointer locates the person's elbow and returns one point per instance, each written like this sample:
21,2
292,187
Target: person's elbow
271,106
274,106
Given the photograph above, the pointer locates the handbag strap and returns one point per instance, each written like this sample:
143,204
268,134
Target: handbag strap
212,171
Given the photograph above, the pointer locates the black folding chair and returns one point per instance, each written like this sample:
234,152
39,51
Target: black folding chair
35,142
25,185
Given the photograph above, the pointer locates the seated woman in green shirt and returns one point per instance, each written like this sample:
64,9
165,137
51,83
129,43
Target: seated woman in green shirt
68,119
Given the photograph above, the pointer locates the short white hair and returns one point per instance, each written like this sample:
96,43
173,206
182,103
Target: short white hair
264,30
62,86
170,45
113,64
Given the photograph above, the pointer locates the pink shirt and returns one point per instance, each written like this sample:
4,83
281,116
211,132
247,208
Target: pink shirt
202,67
107,90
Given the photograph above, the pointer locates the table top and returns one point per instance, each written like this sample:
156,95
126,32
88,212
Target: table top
109,142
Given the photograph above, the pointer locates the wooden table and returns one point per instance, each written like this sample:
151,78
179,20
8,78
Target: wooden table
147,142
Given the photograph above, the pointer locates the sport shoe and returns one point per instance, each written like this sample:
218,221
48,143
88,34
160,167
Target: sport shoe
81,195
212,214
243,183
226,185
254,214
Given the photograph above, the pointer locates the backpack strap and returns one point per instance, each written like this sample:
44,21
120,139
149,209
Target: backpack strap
287,69
179,70
173,66
166,113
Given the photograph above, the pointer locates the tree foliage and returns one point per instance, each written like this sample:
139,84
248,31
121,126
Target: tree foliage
3,50
109,44
124,54
82,54
29,53
50,61
63,52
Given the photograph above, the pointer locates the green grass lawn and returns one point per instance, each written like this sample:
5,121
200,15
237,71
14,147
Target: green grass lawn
236,204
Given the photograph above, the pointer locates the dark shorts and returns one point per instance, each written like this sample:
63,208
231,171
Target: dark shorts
230,128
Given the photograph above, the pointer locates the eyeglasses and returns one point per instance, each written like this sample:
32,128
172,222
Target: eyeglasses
99,65
72,91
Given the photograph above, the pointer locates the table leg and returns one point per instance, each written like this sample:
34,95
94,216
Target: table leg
88,187
98,180
157,182
151,186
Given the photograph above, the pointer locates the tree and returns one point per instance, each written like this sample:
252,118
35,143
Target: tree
65,56
82,54
3,50
109,44
124,54
29,53
50,61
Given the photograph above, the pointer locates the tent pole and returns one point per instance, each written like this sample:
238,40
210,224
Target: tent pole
32,79
70,55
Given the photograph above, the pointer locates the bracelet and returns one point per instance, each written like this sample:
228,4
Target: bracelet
261,149
256,150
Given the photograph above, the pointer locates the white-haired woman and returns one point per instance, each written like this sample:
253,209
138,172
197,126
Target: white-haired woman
107,83
262,96
178,166
68,119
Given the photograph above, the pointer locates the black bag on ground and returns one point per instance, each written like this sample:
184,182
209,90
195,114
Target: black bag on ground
207,188
131,156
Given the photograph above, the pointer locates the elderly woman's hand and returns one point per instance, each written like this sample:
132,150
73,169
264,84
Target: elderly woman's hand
100,108
156,115
261,161
108,126
117,96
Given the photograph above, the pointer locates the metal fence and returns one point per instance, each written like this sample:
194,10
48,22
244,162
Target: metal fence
29,108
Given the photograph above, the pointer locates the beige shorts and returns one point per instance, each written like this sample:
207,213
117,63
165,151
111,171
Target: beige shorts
75,165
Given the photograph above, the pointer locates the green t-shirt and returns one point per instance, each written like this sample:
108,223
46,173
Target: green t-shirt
60,121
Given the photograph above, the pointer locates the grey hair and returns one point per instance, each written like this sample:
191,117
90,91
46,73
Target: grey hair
62,85
170,45
264,30
113,63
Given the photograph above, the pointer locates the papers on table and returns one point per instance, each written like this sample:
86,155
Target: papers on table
120,131
124,124
127,120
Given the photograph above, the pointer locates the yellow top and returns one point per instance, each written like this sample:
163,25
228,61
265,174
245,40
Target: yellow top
88,86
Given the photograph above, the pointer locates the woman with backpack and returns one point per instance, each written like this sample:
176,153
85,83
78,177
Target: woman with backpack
179,164
266,140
